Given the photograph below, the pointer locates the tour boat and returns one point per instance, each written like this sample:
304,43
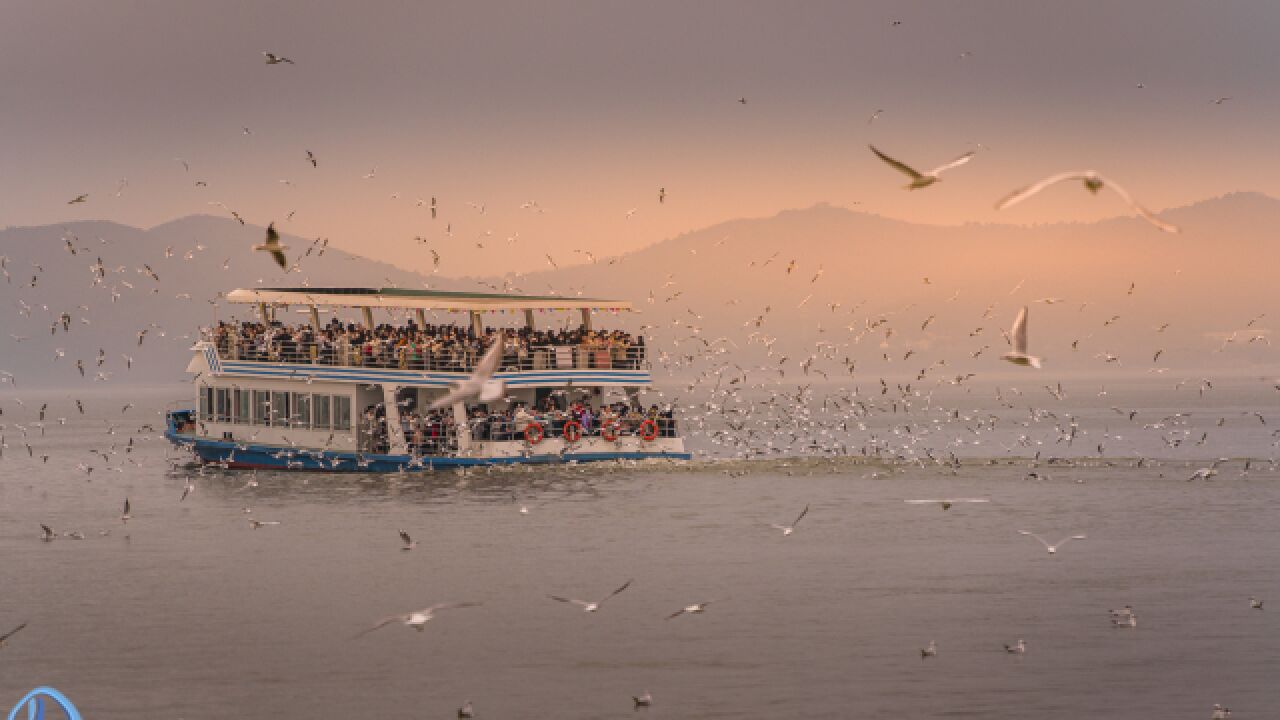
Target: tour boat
355,395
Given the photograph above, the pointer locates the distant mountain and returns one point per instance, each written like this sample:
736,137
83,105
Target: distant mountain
857,290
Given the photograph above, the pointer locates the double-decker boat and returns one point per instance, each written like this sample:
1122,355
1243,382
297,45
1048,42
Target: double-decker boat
356,395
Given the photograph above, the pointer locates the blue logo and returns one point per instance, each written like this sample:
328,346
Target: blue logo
35,702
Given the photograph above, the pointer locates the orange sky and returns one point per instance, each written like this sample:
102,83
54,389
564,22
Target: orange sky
588,108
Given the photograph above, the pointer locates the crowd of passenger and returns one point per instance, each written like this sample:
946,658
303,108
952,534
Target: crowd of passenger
434,432
426,347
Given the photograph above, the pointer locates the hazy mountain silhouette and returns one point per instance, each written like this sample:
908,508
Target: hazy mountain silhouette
749,281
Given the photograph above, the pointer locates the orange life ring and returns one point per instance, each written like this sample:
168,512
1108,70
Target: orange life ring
533,433
610,431
650,434
572,431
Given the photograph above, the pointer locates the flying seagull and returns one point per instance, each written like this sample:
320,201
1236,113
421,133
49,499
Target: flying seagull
588,606
1018,649
642,700
78,199
409,544
466,711
1053,549
418,618
918,179
1018,335
946,503
931,651
274,59
481,386
1093,182
124,517
273,246
788,529
693,609
46,533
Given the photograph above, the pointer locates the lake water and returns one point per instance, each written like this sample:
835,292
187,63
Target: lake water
188,612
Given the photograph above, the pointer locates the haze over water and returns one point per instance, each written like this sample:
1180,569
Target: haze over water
188,612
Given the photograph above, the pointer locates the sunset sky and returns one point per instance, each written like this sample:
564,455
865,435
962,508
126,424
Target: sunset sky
587,109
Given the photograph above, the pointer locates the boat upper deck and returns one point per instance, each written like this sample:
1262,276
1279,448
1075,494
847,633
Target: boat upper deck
410,343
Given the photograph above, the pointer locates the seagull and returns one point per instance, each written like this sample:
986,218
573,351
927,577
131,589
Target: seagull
1128,621
921,180
932,650
466,711
418,618
1018,649
78,199
273,59
481,386
124,517
1220,713
311,159
46,533
1018,334
1205,473
409,544
946,503
273,246
10,634
1053,549
1255,603
1093,182
788,529
690,610
260,523
642,700
590,606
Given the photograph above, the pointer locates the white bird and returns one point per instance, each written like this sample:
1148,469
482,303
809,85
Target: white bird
690,610
273,246
946,503
418,618
1018,336
481,386
409,544
931,651
918,179
1053,549
1220,713
588,606
124,517
1018,649
1093,182
1128,621
273,59
1125,611
1255,603
788,529
261,523
642,700
466,711
1205,473
46,533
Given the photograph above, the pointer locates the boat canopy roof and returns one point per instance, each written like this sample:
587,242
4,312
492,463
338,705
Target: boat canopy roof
418,299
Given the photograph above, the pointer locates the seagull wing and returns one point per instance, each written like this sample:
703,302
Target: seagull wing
901,167
676,614
571,601
625,585
1021,194
1063,541
1019,332
404,536
1145,213
488,364
48,531
1042,540
382,623
11,633
279,258
455,395
953,164
800,517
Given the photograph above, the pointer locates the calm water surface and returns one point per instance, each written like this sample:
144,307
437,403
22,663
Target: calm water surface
187,612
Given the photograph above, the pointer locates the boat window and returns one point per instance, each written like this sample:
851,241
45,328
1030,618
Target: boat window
320,421
261,407
301,410
279,409
206,402
222,405
243,408
341,412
